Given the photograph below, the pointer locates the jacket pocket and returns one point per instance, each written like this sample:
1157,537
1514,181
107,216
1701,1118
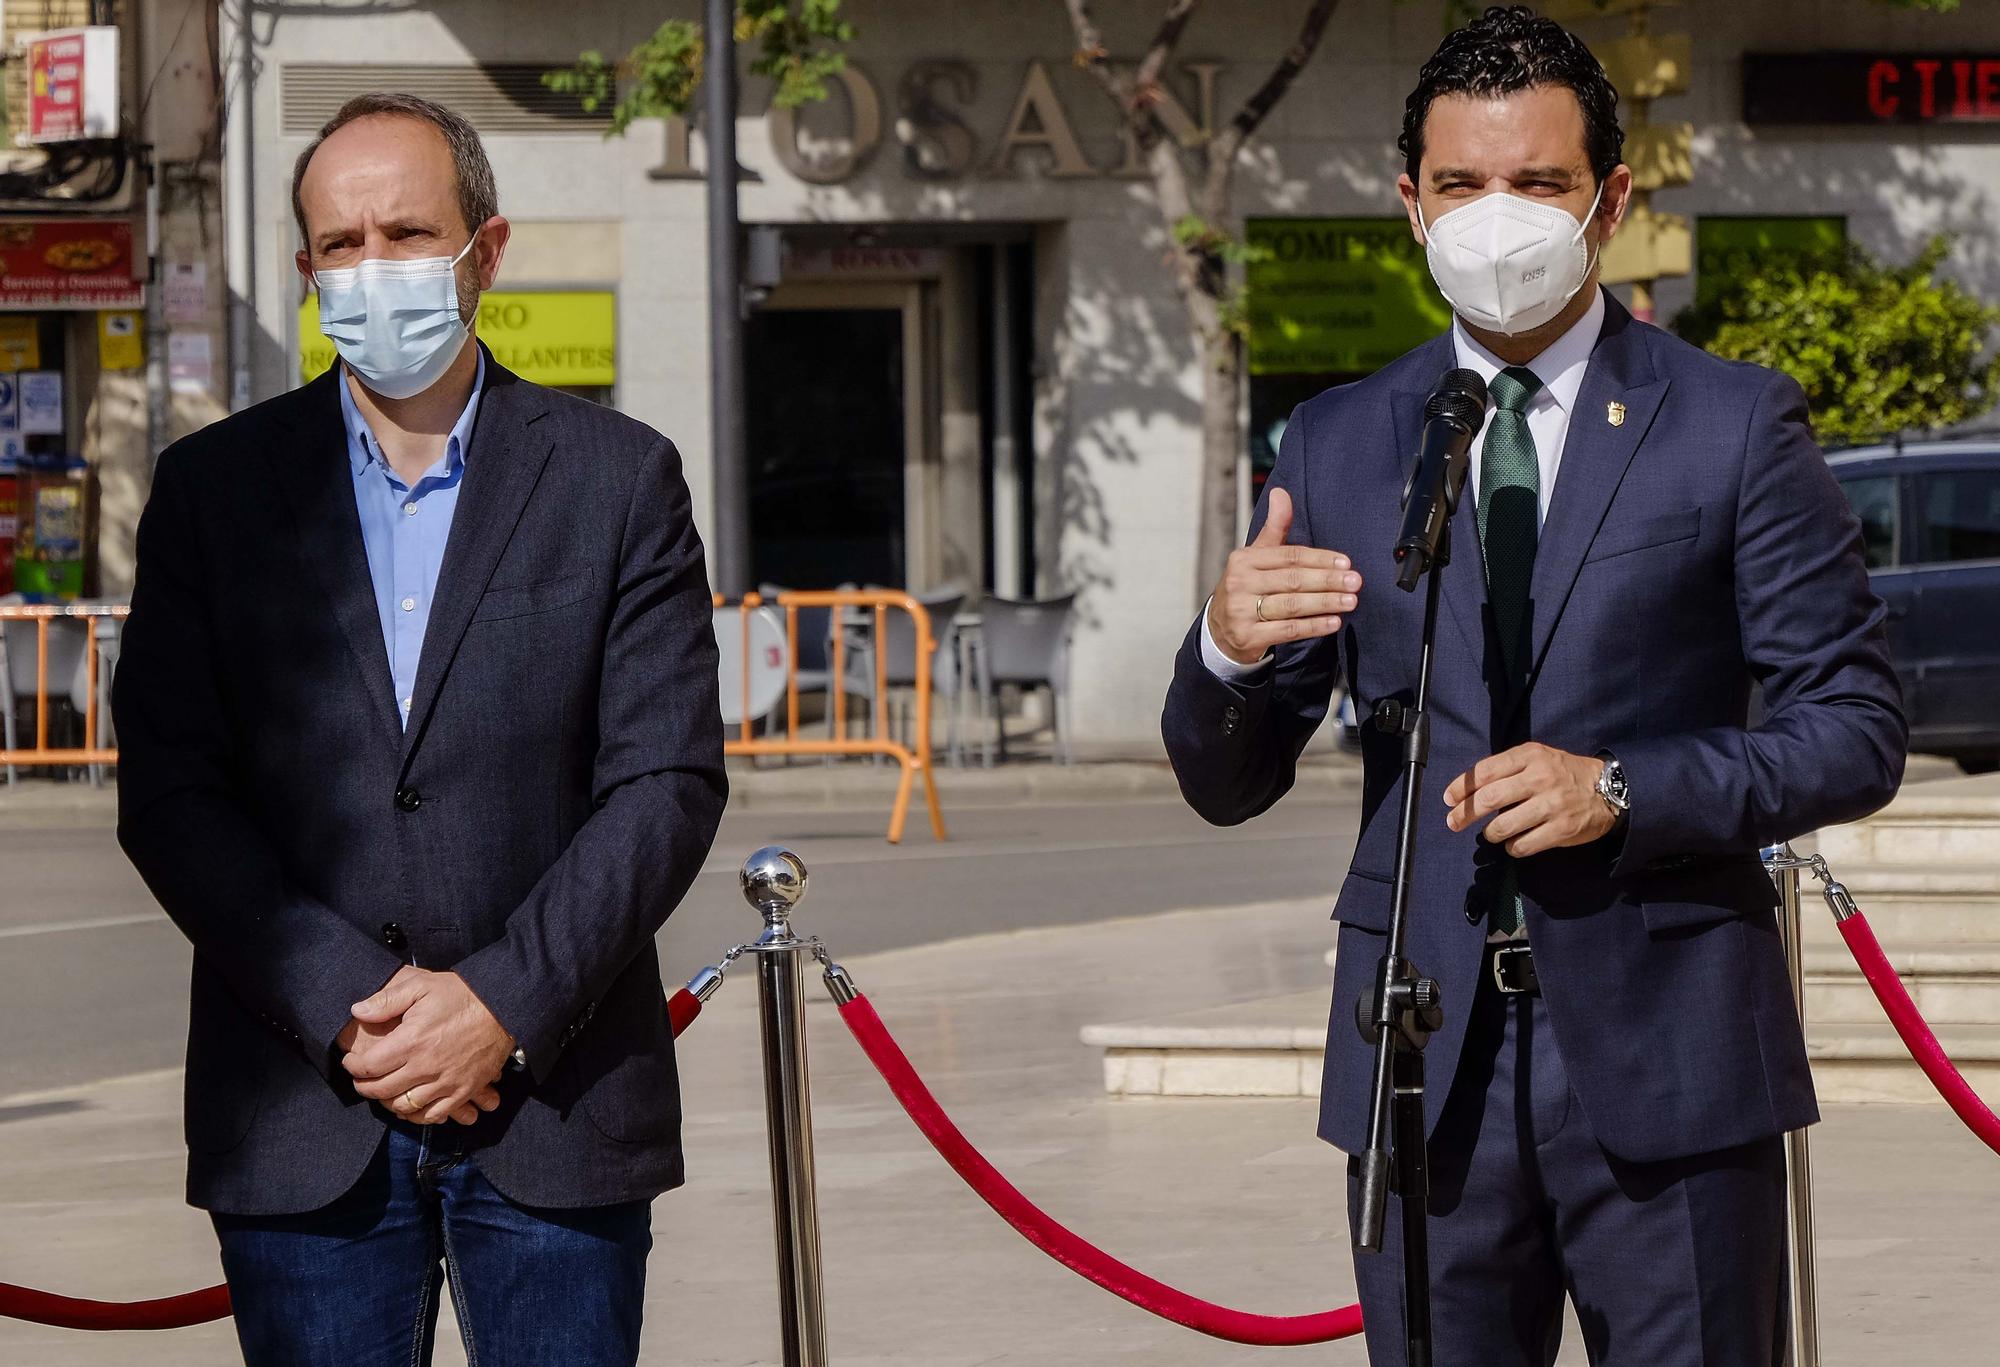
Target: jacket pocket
228,1062
1646,533
1706,893
631,1086
527,599
1364,900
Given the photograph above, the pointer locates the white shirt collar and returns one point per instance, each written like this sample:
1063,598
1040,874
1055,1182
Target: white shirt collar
1560,365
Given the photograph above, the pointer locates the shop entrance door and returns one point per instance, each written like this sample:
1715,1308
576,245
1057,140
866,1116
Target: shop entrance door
834,434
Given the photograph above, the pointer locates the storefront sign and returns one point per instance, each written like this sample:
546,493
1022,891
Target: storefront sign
184,285
20,344
120,343
864,263
190,362
72,84
1338,295
927,122
68,264
41,402
1870,87
567,338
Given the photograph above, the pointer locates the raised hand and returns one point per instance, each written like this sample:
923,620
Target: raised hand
1272,592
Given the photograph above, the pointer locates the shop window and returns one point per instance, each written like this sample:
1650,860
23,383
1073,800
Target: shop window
1330,300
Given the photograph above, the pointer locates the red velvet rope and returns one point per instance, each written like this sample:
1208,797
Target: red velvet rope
1917,1036
193,1307
1040,1229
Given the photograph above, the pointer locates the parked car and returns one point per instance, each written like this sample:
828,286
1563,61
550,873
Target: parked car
1930,525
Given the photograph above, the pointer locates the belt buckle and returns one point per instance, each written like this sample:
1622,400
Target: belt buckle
1500,957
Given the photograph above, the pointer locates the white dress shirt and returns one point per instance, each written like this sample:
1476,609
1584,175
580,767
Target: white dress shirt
1559,367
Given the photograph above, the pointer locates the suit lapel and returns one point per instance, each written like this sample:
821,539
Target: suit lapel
502,466
319,485
1596,454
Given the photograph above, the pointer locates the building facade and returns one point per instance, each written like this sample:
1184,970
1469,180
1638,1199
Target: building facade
111,292
970,364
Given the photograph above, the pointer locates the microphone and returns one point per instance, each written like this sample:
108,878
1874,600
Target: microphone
1452,416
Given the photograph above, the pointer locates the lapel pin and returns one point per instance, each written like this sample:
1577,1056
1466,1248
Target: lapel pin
1614,413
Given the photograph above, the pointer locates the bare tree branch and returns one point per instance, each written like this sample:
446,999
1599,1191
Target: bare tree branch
1229,141
1091,54
1162,47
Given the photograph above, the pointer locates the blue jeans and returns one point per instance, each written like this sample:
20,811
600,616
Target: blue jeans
356,1283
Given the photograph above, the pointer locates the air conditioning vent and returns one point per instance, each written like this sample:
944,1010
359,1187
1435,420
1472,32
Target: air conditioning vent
498,98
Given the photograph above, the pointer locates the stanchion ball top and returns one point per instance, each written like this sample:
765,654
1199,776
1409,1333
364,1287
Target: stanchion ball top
773,880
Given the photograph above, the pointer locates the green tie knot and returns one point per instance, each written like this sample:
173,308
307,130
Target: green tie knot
1514,388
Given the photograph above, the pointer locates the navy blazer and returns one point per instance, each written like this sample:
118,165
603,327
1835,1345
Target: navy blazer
556,790
1695,548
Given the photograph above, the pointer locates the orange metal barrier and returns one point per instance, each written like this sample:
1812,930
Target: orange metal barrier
41,615
914,758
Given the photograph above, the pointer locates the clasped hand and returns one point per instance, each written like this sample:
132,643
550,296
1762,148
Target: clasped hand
426,1048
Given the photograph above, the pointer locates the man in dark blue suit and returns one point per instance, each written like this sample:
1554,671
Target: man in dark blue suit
420,746
1648,536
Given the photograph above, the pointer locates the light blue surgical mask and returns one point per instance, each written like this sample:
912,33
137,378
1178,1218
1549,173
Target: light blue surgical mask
396,322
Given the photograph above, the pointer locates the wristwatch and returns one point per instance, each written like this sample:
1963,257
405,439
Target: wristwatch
1612,788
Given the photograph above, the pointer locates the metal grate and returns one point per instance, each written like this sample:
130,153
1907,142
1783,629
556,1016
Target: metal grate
496,98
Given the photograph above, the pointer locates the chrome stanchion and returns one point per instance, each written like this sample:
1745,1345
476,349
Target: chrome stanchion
1802,1344
774,879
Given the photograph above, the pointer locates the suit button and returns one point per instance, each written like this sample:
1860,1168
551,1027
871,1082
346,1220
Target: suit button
1232,717
408,799
392,936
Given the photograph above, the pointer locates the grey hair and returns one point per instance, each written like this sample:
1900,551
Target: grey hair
478,198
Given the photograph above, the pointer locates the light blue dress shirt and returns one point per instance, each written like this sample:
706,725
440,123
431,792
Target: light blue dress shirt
404,530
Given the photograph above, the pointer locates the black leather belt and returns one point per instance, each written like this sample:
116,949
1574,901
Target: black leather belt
1514,970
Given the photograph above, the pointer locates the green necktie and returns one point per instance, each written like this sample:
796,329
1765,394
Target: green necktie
1509,519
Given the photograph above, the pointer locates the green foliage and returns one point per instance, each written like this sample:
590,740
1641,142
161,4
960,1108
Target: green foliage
1205,239
1878,349
796,43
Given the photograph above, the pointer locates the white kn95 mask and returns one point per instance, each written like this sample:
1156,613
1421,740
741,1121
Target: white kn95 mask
1508,264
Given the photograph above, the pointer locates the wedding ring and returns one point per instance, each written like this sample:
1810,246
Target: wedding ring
1259,609
408,1104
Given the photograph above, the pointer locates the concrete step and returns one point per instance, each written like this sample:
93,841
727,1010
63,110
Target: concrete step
1868,1063
1275,1047
1952,983
1954,821
1912,903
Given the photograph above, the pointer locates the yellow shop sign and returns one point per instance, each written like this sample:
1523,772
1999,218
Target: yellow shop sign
553,337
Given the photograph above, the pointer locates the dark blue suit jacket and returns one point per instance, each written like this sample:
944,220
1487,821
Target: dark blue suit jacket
551,801
1694,552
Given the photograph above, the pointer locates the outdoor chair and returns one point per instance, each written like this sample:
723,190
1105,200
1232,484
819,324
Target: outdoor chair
899,646
1026,644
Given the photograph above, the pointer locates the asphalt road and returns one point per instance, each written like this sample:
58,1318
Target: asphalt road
93,978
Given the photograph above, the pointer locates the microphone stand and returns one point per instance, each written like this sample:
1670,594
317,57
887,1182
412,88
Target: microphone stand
1399,1012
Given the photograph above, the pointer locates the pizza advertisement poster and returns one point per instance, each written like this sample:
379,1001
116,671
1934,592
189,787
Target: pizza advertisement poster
69,264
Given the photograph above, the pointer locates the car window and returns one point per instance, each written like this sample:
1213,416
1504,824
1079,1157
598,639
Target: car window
1960,515
1874,500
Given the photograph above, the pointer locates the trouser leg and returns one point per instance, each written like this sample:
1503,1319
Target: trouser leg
353,1284
1496,1282
534,1286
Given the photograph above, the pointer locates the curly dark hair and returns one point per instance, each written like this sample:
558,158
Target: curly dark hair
1512,48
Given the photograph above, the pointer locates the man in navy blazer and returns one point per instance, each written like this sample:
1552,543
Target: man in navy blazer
420,746
1649,536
